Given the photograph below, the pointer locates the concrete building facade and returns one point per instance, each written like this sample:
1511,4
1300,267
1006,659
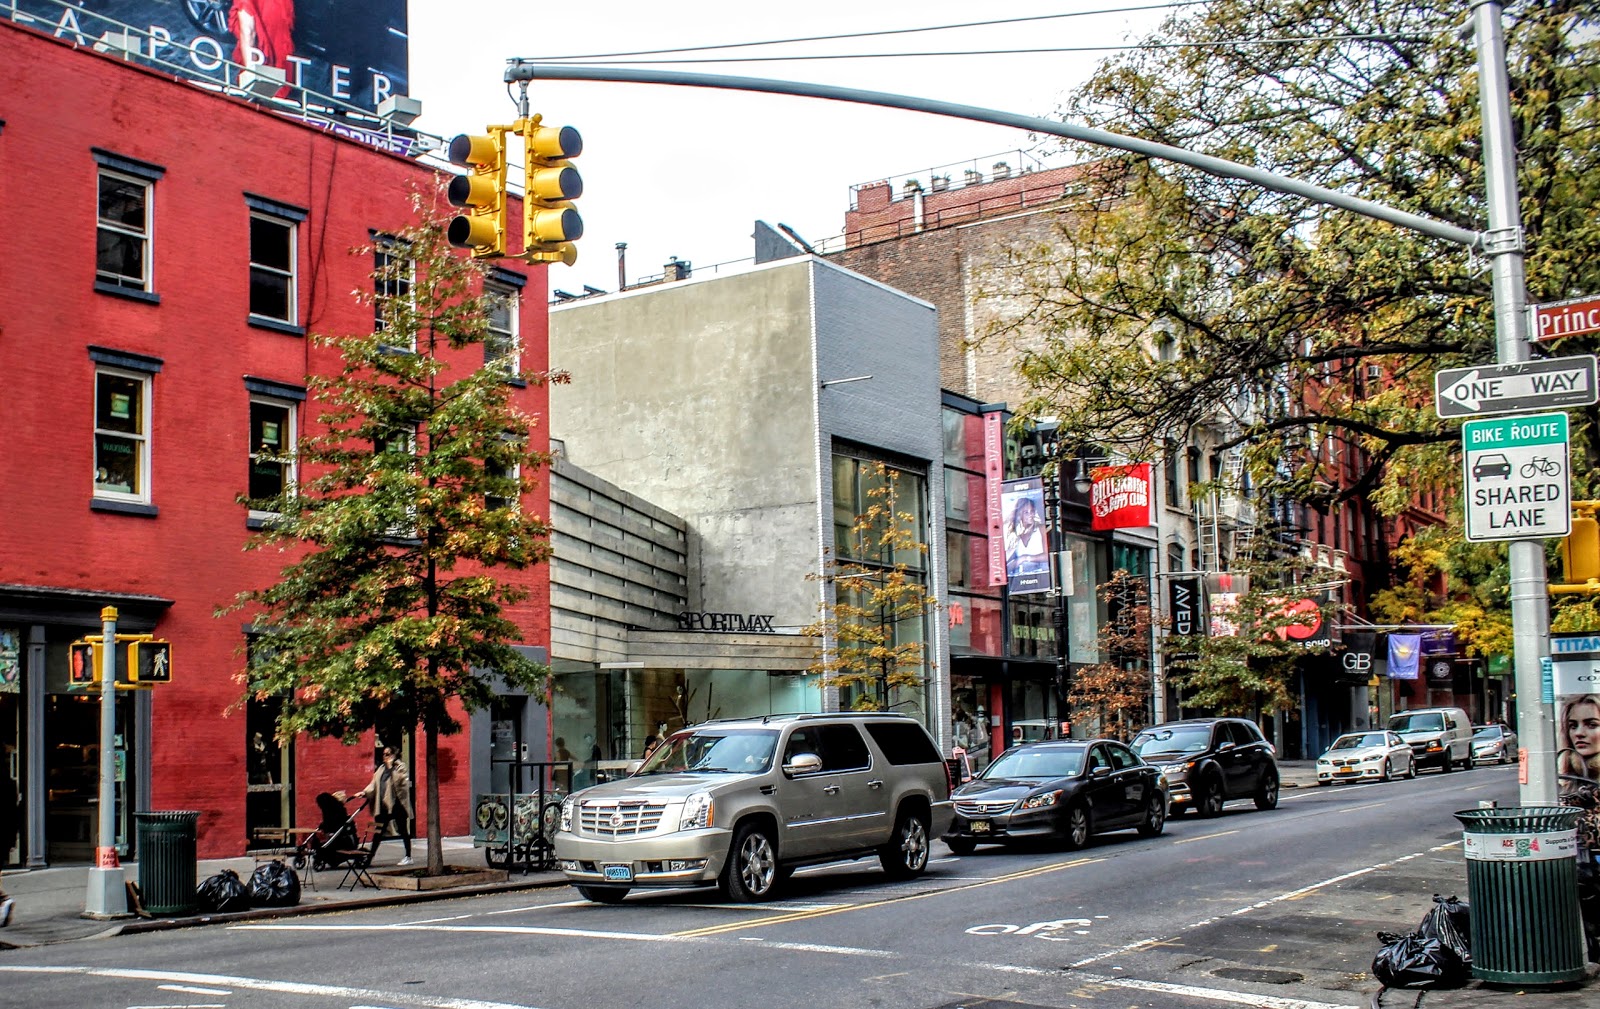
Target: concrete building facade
751,406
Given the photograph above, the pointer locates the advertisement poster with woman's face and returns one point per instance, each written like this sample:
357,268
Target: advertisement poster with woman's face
1576,672
1026,539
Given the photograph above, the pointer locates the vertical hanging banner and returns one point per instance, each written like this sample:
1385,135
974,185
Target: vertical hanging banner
1405,653
994,473
1119,497
1183,606
1027,550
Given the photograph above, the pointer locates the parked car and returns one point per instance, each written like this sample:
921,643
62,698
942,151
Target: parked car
1493,743
1439,737
1061,790
739,803
1208,761
1366,756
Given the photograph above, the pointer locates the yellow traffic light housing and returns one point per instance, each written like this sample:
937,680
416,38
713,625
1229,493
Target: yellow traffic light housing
83,669
1580,551
550,225
481,192
150,661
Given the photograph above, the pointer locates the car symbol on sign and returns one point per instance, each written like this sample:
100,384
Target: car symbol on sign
1491,464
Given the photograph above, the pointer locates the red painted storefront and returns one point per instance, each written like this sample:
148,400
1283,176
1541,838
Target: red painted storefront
68,116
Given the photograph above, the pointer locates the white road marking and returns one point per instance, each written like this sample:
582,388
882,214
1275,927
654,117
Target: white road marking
808,947
538,907
786,906
579,933
193,990
1191,991
1258,905
261,984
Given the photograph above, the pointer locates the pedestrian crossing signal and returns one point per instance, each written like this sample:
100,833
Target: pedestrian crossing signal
150,661
84,670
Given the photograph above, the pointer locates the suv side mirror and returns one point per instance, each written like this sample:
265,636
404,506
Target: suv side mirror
1226,744
803,763
1099,772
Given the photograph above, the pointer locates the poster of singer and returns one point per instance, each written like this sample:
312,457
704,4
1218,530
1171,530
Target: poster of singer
1027,540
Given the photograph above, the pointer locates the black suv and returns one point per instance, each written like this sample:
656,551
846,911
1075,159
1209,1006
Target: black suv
1208,761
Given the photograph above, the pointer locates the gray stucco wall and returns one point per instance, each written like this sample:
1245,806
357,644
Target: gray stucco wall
698,396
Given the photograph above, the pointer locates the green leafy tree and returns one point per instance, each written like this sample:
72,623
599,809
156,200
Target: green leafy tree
1245,665
1292,321
872,626
391,613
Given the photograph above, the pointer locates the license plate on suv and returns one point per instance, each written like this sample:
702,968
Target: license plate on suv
619,873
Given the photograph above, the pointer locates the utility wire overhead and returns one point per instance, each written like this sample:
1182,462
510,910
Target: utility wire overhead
863,35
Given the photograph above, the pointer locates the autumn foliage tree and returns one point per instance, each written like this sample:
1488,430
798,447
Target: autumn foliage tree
391,615
1117,688
872,623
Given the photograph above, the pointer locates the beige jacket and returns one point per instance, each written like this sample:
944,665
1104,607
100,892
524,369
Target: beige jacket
392,794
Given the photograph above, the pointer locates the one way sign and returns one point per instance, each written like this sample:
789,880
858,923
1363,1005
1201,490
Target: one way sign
1515,388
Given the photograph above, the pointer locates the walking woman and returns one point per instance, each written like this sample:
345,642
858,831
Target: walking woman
389,792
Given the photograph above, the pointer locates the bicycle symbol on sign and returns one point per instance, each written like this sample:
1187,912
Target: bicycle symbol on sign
1540,466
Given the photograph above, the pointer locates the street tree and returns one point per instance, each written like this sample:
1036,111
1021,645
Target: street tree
1261,622
872,622
1116,688
391,615
1176,296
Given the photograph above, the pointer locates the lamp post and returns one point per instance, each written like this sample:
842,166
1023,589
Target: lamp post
1060,574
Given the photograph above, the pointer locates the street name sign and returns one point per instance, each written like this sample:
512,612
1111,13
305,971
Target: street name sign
1556,320
1515,470
1557,384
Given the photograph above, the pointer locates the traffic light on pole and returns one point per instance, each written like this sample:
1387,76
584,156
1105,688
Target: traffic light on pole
150,661
482,192
550,225
1580,551
83,669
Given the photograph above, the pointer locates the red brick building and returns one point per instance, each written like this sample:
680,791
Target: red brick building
169,249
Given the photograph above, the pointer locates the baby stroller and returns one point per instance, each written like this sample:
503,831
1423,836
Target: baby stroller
335,844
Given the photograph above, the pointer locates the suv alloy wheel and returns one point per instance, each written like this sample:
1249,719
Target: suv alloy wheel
1211,797
1267,794
752,869
906,854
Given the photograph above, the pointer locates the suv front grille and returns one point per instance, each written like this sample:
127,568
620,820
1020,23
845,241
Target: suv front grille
619,819
978,807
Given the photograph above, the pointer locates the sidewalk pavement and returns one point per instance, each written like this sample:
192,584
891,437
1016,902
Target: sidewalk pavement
49,902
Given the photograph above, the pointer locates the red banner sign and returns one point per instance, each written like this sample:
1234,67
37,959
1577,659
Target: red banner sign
994,475
1119,496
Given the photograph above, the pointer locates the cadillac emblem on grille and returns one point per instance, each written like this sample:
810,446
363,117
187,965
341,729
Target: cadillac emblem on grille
617,820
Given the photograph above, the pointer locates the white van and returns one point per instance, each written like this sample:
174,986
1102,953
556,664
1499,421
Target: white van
1439,737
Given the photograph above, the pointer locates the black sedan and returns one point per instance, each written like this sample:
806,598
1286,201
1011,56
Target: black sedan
1064,790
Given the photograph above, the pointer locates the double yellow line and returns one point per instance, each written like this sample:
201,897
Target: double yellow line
779,919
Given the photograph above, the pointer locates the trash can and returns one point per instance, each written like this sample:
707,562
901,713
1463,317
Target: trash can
167,864
1522,883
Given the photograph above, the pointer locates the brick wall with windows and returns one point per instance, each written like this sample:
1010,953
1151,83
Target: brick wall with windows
156,300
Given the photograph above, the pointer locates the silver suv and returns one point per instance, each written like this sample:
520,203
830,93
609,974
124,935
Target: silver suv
740,803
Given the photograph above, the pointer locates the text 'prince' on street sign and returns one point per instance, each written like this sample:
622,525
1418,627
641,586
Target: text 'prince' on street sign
1515,470
1557,384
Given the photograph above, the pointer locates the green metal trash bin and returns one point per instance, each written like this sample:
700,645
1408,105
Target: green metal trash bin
167,863
1522,884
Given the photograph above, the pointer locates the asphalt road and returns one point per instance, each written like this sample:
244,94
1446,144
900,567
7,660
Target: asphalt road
1273,909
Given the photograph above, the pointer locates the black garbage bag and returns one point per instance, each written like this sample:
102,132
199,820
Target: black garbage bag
274,885
1413,962
223,893
1450,922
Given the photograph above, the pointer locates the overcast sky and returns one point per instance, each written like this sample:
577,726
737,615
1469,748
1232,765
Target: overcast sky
685,172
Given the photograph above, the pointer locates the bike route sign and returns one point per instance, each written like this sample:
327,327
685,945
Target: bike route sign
1515,470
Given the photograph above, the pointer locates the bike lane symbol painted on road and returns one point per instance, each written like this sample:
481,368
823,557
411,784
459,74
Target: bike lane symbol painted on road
1038,930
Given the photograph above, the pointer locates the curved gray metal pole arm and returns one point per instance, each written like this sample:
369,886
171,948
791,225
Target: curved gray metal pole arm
521,70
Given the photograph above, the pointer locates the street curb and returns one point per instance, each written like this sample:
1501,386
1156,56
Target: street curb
323,907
